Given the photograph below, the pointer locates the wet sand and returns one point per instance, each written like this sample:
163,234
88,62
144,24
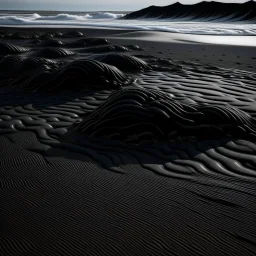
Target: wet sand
117,142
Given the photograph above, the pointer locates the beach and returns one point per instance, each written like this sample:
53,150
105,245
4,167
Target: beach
126,142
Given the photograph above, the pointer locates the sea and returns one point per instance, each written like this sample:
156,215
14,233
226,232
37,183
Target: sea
111,19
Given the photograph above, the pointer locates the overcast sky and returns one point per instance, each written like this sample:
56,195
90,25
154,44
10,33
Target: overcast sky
88,5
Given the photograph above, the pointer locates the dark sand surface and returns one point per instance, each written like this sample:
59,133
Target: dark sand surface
111,145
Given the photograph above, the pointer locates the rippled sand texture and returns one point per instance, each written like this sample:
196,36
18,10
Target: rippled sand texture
105,150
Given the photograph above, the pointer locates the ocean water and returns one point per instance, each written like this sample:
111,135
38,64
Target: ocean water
114,20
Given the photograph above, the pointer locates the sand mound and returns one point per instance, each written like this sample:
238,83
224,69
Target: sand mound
134,115
83,73
53,53
47,35
36,41
133,47
35,35
125,62
32,63
86,42
58,34
7,48
73,34
76,75
20,35
94,41
52,43
108,48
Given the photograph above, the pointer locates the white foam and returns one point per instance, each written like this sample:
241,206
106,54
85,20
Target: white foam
107,15
34,19
69,17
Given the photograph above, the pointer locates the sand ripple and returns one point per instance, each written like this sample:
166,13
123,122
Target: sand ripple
135,115
178,119
124,62
8,48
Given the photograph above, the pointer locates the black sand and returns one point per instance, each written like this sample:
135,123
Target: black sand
144,149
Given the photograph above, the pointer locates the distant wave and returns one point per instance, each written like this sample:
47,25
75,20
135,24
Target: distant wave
106,15
204,11
36,19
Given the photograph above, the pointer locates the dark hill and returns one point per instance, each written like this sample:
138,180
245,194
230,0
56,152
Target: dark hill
204,11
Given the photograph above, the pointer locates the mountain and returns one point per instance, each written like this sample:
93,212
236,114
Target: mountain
203,11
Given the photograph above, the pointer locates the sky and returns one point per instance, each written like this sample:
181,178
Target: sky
89,5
